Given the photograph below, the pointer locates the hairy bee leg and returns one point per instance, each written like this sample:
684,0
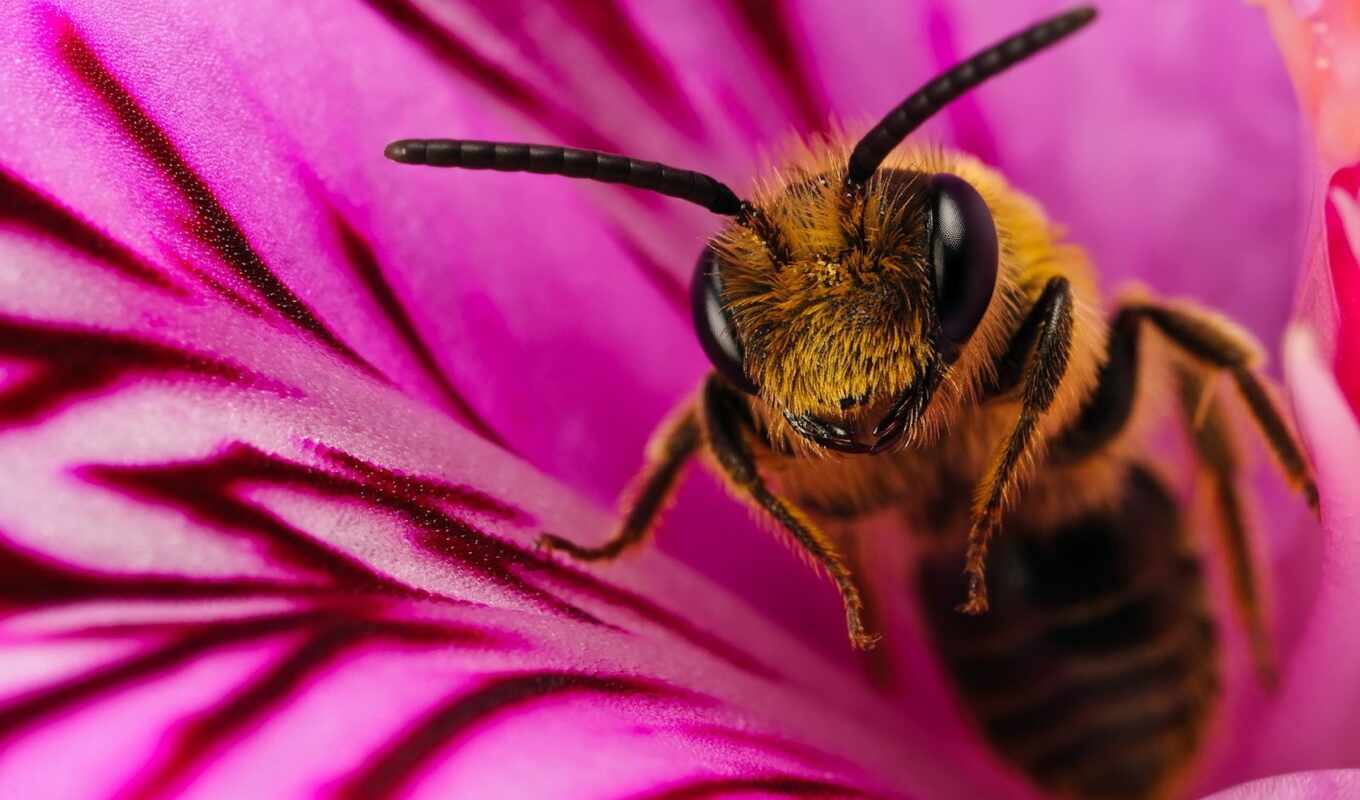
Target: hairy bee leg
1254,390
1216,344
1211,343
859,550
724,417
1107,411
1050,320
1216,451
668,454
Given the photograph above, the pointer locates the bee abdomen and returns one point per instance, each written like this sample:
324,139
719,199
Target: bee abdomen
1096,670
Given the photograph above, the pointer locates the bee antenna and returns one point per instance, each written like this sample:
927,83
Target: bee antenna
695,187
920,106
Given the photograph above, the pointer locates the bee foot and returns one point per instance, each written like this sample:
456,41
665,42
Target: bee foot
553,543
977,591
865,641
974,605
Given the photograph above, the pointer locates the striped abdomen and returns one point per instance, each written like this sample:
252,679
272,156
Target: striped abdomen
1096,670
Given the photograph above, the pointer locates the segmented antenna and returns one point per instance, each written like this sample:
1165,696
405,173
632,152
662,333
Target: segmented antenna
695,187
920,106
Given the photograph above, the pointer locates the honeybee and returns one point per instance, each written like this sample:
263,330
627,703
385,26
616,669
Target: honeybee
905,330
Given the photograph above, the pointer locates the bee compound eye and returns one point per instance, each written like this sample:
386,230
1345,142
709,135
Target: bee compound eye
717,334
963,248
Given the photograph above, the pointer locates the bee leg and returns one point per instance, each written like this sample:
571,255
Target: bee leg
724,416
1216,451
1218,344
1050,323
1105,413
669,451
1210,345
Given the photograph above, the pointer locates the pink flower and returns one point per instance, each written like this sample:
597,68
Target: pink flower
279,419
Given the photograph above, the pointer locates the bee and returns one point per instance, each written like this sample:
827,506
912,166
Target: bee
904,330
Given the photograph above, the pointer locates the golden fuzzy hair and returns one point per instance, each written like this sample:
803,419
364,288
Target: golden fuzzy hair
832,297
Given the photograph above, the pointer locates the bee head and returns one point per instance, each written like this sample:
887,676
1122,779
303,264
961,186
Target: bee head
842,306
842,294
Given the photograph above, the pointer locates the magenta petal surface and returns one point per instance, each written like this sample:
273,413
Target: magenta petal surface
1312,722
1309,727
1330,785
1320,41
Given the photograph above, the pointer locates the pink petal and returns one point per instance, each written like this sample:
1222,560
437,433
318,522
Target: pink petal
1312,720
1317,39
1307,724
1321,44
1331,785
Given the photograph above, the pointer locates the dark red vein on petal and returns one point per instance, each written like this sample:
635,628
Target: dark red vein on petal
658,615
472,549
769,744
454,540
393,481
770,26
333,608
199,738
612,29
210,732
206,491
434,512
69,363
706,787
972,133
459,57
232,296
20,713
213,224
674,290
461,717
28,580
24,205
365,265
430,508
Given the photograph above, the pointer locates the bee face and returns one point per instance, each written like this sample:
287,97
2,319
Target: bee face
843,309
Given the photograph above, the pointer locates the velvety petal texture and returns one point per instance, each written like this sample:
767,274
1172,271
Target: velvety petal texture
1318,694
280,419
1333,785
1321,44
